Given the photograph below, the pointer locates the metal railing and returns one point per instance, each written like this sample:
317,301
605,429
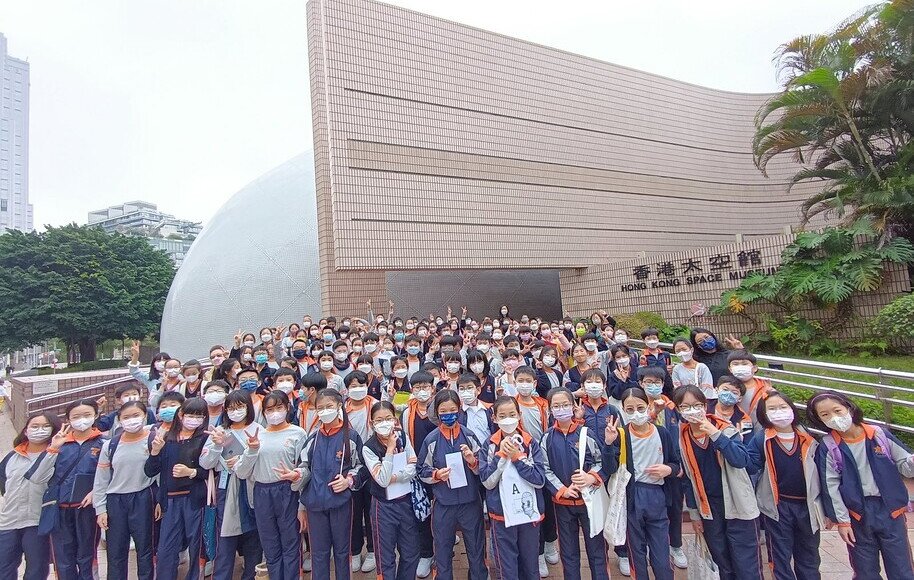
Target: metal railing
890,388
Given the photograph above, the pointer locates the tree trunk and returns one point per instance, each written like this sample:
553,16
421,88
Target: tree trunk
86,349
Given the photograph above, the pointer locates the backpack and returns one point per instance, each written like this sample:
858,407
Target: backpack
28,474
114,442
834,451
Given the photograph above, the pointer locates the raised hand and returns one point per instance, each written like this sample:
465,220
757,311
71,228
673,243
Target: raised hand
277,334
253,439
708,428
135,351
733,343
158,442
59,438
237,337
612,430
579,409
217,434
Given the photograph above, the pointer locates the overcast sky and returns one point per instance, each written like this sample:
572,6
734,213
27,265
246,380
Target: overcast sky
183,102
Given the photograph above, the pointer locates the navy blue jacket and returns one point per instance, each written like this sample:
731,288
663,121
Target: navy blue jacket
85,458
174,452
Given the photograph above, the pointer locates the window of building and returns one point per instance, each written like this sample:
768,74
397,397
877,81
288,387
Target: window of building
3,203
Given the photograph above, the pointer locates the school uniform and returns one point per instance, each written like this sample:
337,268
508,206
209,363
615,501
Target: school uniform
739,419
478,419
721,493
112,424
756,389
487,389
668,419
75,539
306,416
534,420
788,494
275,502
863,488
416,428
572,379
596,416
183,500
236,524
393,522
329,452
454,508
358,413
516,548
25,477
546,381
648,500
124,492
615,385
561,449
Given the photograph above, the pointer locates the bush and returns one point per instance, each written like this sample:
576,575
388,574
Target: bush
896,320
635,323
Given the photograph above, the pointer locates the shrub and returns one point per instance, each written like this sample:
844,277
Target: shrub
635,323
896,320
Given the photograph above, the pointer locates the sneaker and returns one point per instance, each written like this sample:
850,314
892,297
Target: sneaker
183,558
261,570
368,563
356,563
624,567
544,569
208,569
456,539
306,564
679,558
425,567
551,553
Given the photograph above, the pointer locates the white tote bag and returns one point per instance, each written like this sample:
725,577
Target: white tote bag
616,527
518,498
595,498
701,565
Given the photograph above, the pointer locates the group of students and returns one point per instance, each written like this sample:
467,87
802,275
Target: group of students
299,450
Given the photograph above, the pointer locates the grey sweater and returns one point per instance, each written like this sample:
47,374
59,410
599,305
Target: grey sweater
124,475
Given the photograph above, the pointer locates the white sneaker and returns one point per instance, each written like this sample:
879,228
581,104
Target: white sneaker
456,539
356,563
551,553
184,557
306,563
679,558
425,567
368,563
261,570
624,567
208,569
544,569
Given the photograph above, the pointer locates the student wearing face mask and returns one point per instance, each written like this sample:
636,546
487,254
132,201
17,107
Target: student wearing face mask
393,523
416,425
228,372
649,453
306,414
263,366
214,394
24,475
342,363
730,391
358,409
478,364
124,394
74,535
459,506
167,409
217,356
249,381
171,381
452,369
511,466
511,362
552,337
788,491
572,378
124,496
174,456
595,410
326,361
548,371
486,345
622,376
688,371
475,415
708,349
299,351
191,381
269,464
719,493
153,377
330,470
535,353
620,337
413,354
743,367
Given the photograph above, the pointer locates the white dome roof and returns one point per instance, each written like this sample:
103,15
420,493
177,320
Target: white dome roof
255,264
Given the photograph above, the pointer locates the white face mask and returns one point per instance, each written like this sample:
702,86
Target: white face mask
638,417
483,348
38,434
401,373
159,365
593,389
129,398
285,386
742,372
623,362
467,396
781,417
684,355
249,343
133,424
453,367
384,428
840,422
477,367
508,424
590,346
214,399
652,343
549,361
357,349
82,424
496,336
276,417
365,368
326,365
621,338
237,415
266,337
693,415
358,393
191,378
370,347
524,389
172,373
341,356
328,416
423,395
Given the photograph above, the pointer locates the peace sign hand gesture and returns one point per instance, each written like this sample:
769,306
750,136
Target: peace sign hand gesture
59,438
217,434
253,439
158,442
612,430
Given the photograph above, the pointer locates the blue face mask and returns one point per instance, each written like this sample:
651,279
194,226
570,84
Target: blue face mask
261,359
249,385
167,415
299,353
727,398
399,336
448,419
653,390
708,344
413,350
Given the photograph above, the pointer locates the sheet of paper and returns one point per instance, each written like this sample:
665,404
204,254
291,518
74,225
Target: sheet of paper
458,476
399,488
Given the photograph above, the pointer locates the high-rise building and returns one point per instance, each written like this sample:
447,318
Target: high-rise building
15,209
163,231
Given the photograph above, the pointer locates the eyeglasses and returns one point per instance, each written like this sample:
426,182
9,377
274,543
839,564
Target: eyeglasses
561,408
687,408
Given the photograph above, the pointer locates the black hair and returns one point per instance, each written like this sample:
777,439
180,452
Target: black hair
505,400
284,372
469,378
812,416
221,384
191,406
154,373
338,344
422,378
246,369
412,338
192,363
589,336
593,374
315,381
382,405
133,405
762,410
277,398
232,400
431,366
80,402
685,341
355,376
735,355
510,352
451,356
52,419
224,368
617,348
634,392
699,330
170,396
216,346
650,332
118,392
440,398
370,337
477,356
524,370
731,380
680,393
651,372
559,391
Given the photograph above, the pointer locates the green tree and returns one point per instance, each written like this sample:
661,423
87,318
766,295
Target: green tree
79,284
